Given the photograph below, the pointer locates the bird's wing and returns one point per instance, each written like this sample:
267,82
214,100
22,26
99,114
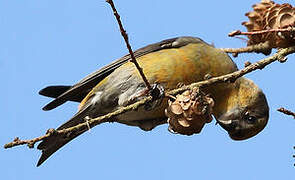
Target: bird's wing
78,91
65,93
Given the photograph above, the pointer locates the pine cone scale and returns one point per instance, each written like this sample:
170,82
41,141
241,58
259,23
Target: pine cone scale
268,15
189,112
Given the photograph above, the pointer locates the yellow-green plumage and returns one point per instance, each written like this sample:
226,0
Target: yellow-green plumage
170,63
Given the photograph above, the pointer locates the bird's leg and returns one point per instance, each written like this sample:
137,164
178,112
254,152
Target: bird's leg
157,92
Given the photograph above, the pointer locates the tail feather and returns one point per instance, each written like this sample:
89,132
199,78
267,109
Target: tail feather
54,143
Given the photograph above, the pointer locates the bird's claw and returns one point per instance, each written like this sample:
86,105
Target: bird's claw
171,130
157,92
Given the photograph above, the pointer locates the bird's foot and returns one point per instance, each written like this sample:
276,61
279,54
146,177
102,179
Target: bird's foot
158,93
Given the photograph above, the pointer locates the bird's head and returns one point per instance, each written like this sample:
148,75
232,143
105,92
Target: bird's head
247,110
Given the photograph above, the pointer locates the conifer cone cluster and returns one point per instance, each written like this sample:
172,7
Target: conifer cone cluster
268,15
190,111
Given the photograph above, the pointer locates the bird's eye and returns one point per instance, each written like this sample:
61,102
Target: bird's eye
250,119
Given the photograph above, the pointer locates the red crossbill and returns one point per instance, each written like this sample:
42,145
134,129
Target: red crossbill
240,107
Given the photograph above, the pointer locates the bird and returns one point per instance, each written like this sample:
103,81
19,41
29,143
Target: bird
240,108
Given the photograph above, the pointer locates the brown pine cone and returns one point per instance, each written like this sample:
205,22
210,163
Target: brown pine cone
268,15
189,112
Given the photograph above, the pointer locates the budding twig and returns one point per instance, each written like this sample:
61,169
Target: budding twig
125,36
263,47
90,122
106,118
238,32
286,111
258,48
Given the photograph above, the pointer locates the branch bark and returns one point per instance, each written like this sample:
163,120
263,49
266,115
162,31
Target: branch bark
281,54
286,111
125,36
238,32
257,48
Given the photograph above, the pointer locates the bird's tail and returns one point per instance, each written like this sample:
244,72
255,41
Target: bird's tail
53,143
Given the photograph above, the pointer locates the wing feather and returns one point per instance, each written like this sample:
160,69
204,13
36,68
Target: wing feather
78,91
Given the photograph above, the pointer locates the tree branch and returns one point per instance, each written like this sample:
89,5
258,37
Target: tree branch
286,111
258,48
238,32
125,36
281,54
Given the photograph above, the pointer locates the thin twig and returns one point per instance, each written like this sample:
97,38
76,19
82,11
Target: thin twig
125,36
258,48
225,78
286,111
238,32
263,47
281,54
90,122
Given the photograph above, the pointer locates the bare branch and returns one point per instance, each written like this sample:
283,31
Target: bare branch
238,32
281,54
225,78
125,36
258,48
286,111
91,122
266,44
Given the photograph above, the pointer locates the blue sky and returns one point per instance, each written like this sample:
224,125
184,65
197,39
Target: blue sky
59,42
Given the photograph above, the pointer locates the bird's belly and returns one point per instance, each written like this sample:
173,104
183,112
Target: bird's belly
145,119
142,114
